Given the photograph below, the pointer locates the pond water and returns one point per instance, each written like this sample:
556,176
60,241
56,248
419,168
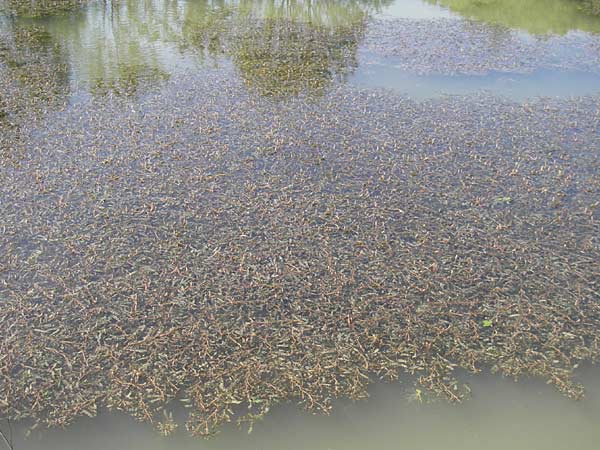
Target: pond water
520,416
109,43
345,224
541,17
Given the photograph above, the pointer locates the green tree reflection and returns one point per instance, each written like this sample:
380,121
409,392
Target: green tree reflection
281,57
285,47
38,8
280,47
534,16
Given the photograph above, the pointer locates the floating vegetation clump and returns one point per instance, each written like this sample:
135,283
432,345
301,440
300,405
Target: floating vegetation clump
207,245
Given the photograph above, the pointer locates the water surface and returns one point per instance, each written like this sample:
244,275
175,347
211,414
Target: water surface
502,415
117,45
255,206
540,17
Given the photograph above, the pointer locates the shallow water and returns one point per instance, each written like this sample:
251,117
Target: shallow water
539,17
501,415
542,17
518,87
242,203
107,45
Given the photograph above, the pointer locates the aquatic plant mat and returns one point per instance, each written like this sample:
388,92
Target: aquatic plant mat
207,243
254,233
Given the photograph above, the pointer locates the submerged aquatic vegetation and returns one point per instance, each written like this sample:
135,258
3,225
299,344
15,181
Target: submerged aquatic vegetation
33,80
207,245
231,248
39,8
129,80
454,47
283,52
284,58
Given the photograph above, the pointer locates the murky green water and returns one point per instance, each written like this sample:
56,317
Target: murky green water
250,207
